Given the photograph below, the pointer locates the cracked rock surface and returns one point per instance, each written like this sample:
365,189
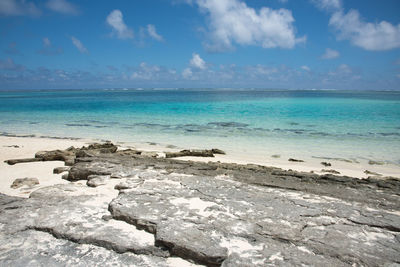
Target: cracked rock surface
146,211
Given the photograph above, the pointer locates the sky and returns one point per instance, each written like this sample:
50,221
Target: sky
271,44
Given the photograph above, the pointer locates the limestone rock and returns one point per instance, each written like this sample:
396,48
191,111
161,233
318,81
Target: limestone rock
194,153
326,164
20,182
97,180
202,213
295,160
60,170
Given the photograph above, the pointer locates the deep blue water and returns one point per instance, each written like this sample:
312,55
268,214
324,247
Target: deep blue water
356,124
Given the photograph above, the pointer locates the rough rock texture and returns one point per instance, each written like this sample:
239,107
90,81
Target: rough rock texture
58,170
205,213
194,153
97,180
20,182
69,155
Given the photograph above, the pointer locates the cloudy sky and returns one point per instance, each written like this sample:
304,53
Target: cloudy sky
291,44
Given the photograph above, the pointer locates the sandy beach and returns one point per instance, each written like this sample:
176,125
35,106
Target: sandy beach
26,147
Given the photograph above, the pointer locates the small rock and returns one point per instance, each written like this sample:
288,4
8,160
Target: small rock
217,151
330,171
128,184
20,182
60,170
193,153
106,217
97,180
83,154
149,154
372,173
276,156
326,164
373,162
295,160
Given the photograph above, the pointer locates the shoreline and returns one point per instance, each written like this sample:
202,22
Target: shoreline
14,147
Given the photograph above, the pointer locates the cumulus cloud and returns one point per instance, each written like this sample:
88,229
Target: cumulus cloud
232,21
327,4
197,67
62,6
151,29
197,62
18,8
116,21
9,65
351,26
330,54
187,73
78,44
147,72
343,70
369,36
46,42
306,68
48,48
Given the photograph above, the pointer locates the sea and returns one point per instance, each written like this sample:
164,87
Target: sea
251,122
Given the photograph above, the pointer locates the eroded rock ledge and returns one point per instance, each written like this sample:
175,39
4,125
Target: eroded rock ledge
164,212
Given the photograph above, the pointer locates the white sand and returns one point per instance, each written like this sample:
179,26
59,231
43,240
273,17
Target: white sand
309,164
28,146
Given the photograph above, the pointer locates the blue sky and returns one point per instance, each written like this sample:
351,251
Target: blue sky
290,44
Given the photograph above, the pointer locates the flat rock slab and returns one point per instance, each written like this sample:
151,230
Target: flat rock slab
171,213
209,219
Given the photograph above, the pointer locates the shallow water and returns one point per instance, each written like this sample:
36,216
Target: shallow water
360,125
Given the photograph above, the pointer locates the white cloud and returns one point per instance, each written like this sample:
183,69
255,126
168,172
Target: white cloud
9,65
151,29
344,69
48,48
151,73
18,8
306,68
232,21
369,36
330,54
328,4
62,6
78,44
46,42
116,21
283,1
261,70
187,73
197,62
341,70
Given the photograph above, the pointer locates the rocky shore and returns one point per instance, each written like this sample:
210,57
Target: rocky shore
132,208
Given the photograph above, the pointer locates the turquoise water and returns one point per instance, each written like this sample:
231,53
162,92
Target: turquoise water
314,123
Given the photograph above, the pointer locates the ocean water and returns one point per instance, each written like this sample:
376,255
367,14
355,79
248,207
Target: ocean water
346,124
